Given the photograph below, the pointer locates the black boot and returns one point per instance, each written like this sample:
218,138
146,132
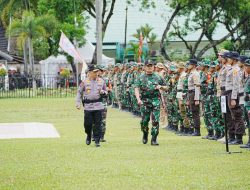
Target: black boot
191,131
222,135
209,134
197,132
88,140
216,136
97,142
181,131
145,138
175,128
186,132
237,141
102,138
154,141
231,138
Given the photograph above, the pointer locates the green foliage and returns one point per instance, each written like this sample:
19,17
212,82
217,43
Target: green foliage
41,49
65,12
65,72
3,72
228,45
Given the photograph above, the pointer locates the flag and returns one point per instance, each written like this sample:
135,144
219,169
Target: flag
70,49
140,48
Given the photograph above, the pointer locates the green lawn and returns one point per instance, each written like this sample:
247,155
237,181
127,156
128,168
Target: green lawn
121,163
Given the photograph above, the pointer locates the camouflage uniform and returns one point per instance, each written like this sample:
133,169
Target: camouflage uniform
247,101
151,101
215,119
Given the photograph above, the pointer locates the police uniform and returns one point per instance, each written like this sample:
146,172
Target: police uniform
89,92
232,91
194,95
179,96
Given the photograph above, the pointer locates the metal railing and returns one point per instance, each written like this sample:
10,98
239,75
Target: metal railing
38,87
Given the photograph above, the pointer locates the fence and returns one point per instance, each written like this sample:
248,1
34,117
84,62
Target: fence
37,87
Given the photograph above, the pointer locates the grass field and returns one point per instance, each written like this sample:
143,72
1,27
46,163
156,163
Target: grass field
123,162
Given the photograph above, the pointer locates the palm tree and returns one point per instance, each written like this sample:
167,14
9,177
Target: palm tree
28,29
147,34
15,7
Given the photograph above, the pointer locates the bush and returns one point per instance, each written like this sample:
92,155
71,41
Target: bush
3,72
65,73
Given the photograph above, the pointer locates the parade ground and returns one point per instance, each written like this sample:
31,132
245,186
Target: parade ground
122,162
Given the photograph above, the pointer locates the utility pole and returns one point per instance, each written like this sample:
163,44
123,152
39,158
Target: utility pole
125,37
98,8
126,25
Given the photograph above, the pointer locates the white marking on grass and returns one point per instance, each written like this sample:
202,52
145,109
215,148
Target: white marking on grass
27,130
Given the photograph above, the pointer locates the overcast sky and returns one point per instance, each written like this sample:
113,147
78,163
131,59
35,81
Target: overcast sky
157,18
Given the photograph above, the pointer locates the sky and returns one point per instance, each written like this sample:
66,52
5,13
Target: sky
156,18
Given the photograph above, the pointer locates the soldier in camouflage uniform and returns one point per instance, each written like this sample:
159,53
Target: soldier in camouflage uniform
105,78
117,86
132,89
169,98
213,109
148,97
247,99
124,77
204,75
174,115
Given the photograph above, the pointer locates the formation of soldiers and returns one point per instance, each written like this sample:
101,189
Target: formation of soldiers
194,89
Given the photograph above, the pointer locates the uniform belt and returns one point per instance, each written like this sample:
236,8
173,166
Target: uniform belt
241,94
179,90
228,91
190,91
92,101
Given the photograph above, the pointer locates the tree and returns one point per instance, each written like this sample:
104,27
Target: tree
204,16
29,28
70,21
177,6
14,8
147,34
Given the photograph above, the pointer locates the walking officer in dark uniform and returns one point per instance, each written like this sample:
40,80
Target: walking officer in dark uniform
90,94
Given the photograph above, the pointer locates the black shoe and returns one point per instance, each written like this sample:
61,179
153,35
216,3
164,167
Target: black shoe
145,138
88,140
245,145
236,142
154,141
102,140
209,135
191,131
196,133
97,143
